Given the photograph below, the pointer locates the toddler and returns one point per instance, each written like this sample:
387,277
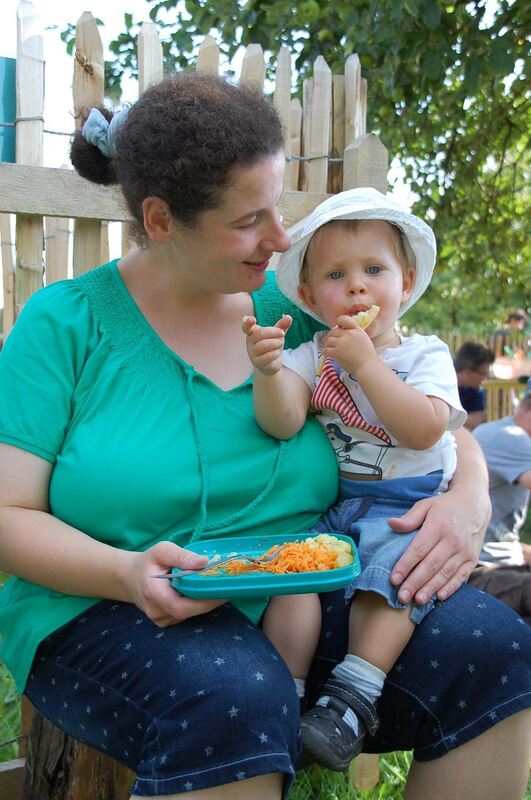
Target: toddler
387,403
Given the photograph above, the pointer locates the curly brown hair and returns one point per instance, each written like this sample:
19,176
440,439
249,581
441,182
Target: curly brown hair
182,141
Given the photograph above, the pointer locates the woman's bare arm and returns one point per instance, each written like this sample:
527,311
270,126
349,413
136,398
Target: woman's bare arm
452,527
41,548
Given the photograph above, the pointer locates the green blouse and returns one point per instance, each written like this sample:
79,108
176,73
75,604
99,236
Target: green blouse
144,447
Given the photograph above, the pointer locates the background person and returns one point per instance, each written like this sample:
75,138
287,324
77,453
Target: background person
504,561
127,432
472,364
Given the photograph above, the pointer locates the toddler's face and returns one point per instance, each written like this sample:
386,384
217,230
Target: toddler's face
350,270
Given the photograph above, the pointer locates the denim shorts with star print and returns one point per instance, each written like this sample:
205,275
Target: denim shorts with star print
195,705
209,701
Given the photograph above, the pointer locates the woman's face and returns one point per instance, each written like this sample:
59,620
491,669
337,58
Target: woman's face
230,247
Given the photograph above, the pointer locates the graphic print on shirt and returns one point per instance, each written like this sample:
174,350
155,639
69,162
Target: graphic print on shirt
331,394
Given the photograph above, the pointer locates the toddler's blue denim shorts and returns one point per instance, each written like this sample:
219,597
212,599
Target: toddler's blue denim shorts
362,512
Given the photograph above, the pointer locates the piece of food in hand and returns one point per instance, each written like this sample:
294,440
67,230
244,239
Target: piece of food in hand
364,318
314,554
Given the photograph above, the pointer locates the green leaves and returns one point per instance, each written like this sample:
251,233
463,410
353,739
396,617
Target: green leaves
439,96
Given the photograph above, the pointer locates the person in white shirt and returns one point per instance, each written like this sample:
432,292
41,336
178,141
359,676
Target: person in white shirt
504,563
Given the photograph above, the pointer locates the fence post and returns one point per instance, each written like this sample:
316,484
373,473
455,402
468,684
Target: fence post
253,66
337,138
281,101
87,92
56,238
321,108
295,127
149,56
8,275
29,147
365,163
208,56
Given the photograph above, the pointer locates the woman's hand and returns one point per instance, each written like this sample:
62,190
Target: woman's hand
452,527
157,598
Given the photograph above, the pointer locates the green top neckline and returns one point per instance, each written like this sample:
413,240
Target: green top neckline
158,341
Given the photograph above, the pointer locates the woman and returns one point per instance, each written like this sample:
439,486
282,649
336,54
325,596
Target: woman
127,429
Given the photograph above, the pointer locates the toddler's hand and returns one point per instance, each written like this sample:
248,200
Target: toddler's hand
265,345
348,344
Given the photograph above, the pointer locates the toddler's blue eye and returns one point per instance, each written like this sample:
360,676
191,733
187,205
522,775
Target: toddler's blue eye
335,275
374,270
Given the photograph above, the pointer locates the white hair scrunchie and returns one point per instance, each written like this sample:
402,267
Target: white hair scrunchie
102,134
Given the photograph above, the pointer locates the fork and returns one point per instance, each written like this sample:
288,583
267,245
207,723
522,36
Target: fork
265,559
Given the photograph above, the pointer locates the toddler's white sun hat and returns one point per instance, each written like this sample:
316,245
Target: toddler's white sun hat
363,203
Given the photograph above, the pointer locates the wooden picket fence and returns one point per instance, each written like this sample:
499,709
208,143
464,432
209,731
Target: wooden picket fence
62,220
327,147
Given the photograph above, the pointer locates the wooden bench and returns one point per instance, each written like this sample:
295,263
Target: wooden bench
501,397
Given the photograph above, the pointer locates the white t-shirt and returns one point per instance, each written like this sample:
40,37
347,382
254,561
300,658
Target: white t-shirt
364,448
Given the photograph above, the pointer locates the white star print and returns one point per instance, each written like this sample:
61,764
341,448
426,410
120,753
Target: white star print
492,714
65,704
462,704
148,664
159,635
219,661
201,693
124,675
471,668
233,712
53,681
88,710
173,694
76,686
263,738
435,631
43,699
105,632
433,698
184,724
259,676
105,732
208,750
139,621
284,709
198,630
515,646
188,786
503,679
477,633
181,657
238,638
240,775
128,646
434,664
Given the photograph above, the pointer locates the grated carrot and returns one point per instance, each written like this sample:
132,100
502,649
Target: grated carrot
308,556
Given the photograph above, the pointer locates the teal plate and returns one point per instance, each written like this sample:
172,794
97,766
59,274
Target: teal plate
257,584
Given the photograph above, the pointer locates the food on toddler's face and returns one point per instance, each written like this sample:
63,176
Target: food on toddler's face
314,554
364,318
